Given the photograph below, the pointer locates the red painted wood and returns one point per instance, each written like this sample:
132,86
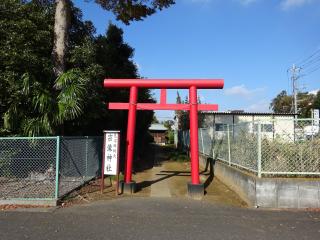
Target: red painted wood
156,106
194,147
208,107
163,96
132,106
165,83
131,132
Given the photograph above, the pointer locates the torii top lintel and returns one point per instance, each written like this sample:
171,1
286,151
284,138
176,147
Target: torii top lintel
165,83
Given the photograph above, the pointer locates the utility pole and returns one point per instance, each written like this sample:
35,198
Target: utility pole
294,78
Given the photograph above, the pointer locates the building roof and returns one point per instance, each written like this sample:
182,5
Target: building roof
250,113
157,127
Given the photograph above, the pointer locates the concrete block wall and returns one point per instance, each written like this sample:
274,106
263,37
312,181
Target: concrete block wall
287,193
269,192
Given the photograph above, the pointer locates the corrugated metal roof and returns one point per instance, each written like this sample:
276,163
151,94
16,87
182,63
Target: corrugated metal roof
158,127
250,113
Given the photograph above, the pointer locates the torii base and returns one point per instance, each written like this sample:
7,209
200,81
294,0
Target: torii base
196,191
128,188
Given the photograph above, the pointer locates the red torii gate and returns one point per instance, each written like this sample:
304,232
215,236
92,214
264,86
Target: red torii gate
195,188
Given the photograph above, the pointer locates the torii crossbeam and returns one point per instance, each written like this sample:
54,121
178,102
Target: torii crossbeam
195,188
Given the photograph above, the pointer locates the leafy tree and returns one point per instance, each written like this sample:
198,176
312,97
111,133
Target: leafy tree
282,103
168,124
179,113
170,133
185,120
26,33
112,58
125,11
316,102
154,119
47,111
305,102
184,116
29,105
28,102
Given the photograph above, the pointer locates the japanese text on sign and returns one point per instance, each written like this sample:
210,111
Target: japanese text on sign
111,149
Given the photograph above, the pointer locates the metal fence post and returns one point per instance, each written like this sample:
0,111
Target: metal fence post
259,149
229,145
57,166
86,174
202,145
312,128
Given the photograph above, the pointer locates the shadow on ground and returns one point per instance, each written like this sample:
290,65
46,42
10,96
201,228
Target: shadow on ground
154,155
162,154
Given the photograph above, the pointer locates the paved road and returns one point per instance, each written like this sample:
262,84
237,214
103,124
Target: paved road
159,218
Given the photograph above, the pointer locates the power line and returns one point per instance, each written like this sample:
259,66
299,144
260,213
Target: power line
302,69
311,62
311,56
311,71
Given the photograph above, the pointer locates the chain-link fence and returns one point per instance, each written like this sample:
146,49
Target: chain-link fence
47,168
273,147
184,140
28,168
80,161
237,145
205,143
291,147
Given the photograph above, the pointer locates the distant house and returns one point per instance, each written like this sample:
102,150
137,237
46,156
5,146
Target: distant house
159,133
272,124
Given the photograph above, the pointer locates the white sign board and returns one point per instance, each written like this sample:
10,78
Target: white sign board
316,116
111,152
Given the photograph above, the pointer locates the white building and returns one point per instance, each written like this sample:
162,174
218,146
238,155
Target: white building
272,124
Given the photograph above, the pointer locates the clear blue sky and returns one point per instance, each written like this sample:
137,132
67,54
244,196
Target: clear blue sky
248,43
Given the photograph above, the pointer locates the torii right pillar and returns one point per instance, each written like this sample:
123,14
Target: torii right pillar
195,188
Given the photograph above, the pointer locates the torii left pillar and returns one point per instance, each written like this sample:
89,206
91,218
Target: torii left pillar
129,185
195,188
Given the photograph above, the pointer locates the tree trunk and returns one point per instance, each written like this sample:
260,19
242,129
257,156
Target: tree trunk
61,32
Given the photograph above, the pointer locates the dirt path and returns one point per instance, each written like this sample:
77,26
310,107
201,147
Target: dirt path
166,179
169,179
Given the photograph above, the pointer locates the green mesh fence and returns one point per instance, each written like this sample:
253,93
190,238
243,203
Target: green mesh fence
28,168
244,147
47,167
291,147
80,158
272,147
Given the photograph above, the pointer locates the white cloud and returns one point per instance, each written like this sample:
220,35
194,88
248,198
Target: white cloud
314,92
242,91
260,106
289,4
